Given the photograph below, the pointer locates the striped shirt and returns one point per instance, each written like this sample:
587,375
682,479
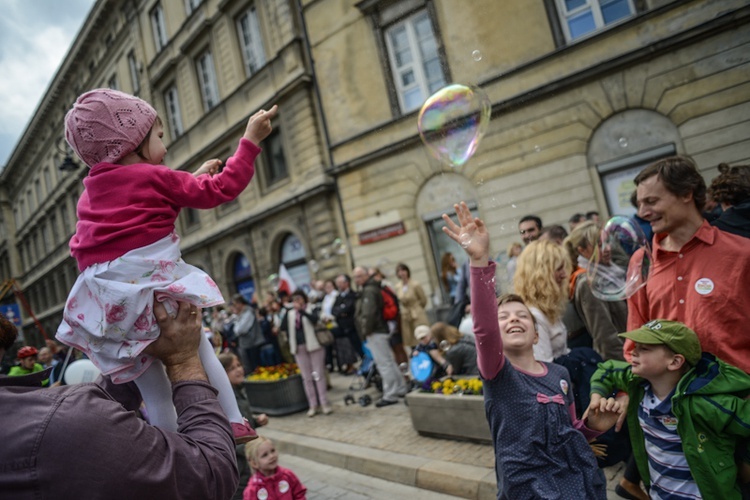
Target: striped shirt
670,474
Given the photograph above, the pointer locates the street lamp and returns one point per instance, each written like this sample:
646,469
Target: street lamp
67,165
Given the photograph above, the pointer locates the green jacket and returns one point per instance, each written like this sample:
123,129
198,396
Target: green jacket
712,417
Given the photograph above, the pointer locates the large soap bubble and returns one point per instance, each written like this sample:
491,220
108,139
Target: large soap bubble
452,121
610,272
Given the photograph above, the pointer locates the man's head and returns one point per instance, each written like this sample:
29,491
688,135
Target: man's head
556,234
663,346
45,356
8,334
593,216
238,303
360,276
530,227
670,192
575,220
732,185
343,282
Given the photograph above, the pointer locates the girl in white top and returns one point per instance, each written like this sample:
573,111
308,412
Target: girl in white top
542,279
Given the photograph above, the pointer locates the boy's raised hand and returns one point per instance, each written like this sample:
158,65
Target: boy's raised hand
603,413
210,167
470,233
259,125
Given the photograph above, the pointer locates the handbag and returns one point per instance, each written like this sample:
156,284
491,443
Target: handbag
324,335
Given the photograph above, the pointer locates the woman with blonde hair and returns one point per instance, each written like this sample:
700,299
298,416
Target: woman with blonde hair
459,349
603,319
541,279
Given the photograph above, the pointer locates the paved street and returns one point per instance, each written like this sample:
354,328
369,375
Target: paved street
325,482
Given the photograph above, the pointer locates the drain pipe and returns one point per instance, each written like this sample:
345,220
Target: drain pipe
324,125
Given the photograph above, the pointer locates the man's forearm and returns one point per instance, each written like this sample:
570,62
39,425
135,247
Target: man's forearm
192,369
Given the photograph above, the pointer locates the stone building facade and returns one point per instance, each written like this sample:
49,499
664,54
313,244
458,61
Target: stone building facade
583,94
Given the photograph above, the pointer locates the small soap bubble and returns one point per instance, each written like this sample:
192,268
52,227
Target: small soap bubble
465,240
476,55
403,367
445,346
273,281
325,253
338,247
314,266
537,148
623,142
513,205
452,121
315,376
611,276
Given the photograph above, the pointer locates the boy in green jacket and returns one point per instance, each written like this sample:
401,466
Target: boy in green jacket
687,412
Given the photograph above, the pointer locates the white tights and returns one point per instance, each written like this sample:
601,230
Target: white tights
156,390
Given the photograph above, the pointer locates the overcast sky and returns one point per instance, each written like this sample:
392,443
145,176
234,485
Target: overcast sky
35,35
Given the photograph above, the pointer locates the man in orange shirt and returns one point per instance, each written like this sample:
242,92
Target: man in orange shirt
700,275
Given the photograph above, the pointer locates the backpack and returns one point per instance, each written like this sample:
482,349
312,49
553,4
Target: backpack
390,304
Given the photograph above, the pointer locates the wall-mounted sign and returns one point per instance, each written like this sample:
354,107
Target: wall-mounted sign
382,233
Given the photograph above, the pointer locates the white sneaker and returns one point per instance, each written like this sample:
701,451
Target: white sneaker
327,410
311,412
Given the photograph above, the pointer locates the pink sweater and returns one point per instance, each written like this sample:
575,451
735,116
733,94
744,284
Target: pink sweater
128,207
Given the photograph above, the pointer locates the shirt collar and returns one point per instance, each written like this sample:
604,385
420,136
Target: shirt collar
705,233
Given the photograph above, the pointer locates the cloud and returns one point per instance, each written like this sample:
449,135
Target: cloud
34,38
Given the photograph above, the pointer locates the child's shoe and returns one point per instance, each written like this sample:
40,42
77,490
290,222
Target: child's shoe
243,432
311,412
327,410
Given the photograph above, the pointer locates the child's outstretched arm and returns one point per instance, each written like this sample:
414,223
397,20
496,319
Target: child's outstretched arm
210,167
259,125
472,235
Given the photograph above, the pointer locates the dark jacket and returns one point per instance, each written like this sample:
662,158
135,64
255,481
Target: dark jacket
369,314
735,220
463,356
344,309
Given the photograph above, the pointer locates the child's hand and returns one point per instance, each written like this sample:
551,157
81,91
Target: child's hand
603,414
471,234
259,125
210,167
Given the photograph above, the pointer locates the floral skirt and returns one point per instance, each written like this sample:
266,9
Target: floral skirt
109,312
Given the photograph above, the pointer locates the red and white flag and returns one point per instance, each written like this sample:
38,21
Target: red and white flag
286,283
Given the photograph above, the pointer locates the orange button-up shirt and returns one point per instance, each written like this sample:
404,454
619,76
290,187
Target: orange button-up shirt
706,285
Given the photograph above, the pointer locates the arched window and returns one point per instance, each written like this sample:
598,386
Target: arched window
295,260
242,274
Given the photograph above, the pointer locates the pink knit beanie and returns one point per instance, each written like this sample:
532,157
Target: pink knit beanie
106,125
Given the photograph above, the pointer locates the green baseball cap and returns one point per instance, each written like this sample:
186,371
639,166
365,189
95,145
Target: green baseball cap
673,334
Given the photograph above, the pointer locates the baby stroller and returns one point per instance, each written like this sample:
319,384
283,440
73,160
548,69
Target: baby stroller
367,376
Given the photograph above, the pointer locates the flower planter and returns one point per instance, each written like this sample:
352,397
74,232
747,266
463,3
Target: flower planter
451,417
277,397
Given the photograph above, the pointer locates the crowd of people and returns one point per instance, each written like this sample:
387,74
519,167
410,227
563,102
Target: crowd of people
659,378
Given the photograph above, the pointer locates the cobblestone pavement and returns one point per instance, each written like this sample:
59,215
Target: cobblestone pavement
324,482
386,428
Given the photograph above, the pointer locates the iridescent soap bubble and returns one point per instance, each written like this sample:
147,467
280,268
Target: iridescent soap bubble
452,121
445,346
273,281
314,266
465,240
476,55
338,247
620,263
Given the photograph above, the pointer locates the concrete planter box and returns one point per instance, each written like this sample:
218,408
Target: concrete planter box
451,417
277,397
